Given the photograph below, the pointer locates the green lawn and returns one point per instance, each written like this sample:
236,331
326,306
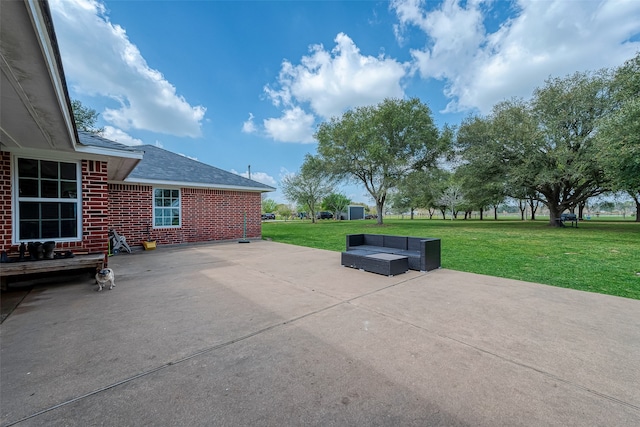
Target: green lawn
599,256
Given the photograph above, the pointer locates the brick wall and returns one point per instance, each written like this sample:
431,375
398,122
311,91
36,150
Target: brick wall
95,203
5,200
207,215
95,206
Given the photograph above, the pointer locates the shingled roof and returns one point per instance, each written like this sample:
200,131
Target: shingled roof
164,167
94,140
159,166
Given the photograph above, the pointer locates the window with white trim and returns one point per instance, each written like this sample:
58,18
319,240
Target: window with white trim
48,205
166,207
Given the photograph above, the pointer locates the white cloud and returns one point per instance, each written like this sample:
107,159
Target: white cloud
99,59
329,82
188,157
249,126
332,81
540,39
294,126
120,136
262,177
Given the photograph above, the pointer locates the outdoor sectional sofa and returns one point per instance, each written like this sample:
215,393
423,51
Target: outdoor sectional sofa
422,254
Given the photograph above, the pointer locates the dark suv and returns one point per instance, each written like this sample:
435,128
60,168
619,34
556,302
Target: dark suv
324,215
268,216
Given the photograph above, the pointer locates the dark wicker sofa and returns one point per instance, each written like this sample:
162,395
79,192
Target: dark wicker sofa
423,253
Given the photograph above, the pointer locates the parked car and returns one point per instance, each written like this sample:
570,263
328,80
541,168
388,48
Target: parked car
324,215
369,216
268,216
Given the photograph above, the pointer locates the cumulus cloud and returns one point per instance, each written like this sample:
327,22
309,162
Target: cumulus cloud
188,157
249,126
328,83
332,81
120,136
262,177
294,125
554,37
99,59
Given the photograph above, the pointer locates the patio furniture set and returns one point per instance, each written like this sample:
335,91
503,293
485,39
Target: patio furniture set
391,255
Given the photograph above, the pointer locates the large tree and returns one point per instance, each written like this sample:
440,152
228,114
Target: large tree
562,164
619,133
308,187
545,148
85,117
379,145
483,172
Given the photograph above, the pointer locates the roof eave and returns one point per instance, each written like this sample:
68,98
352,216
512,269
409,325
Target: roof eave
156,182
32,75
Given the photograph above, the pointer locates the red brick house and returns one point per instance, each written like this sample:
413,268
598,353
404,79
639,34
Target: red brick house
71,187
173,199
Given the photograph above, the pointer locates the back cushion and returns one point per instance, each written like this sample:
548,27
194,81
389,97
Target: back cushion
355,239
413,243
373,239
396,242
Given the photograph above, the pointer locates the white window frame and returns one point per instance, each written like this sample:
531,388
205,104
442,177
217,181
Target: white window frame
16,199
178,207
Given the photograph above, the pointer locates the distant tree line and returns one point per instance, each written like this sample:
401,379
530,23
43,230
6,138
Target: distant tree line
576,138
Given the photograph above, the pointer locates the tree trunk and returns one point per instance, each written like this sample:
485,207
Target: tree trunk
636,198
522,205
412,213
581,207
481,214
495,212
379,207
534,207
444,213
554,212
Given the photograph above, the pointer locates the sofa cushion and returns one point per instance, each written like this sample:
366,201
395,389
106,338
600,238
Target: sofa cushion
371,248
355,239
397,242
414,243
410,254
374,239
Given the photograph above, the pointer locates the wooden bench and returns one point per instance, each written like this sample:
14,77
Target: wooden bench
19,268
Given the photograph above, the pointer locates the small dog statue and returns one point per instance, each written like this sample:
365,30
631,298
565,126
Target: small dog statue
104,277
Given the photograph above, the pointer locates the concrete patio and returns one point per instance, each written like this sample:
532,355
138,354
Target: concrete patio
272,334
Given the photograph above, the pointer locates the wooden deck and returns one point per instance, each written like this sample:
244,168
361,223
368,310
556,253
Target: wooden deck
48,265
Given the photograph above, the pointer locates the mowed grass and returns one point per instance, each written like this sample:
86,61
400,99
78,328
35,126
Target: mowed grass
598,256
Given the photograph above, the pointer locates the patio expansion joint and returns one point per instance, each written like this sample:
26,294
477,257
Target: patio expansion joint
507,359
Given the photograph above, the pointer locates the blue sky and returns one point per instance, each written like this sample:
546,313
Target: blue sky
238,83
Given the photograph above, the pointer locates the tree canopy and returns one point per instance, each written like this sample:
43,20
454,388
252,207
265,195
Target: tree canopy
309,186
619,133
85,117
336,203
379,145
543,148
